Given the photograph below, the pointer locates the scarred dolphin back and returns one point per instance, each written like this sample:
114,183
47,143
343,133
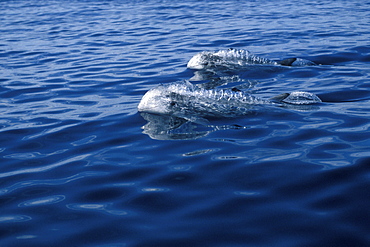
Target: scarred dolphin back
226,58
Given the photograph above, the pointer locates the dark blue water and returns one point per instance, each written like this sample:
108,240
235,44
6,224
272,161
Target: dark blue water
77,170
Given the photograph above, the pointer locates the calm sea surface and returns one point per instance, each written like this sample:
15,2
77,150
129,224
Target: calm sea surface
77,167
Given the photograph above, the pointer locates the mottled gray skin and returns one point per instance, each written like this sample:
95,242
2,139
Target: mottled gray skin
238,58
184,98
188,101
176,110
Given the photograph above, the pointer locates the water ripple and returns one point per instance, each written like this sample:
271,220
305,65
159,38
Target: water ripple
43,168
14,218
60,181
42,201
105,208
31,155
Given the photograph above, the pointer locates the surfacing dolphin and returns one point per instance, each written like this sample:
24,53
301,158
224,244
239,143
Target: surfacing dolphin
238,58
188,101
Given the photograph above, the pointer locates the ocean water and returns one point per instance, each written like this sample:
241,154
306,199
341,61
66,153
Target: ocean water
79,166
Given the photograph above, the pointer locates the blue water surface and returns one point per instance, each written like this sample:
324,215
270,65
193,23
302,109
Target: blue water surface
79,169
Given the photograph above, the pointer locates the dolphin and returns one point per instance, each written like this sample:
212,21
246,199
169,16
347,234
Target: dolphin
193,103
237,58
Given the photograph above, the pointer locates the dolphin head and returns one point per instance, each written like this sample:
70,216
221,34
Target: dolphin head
157,100
198,61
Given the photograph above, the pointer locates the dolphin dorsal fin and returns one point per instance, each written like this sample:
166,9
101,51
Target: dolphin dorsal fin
279,98
287,62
